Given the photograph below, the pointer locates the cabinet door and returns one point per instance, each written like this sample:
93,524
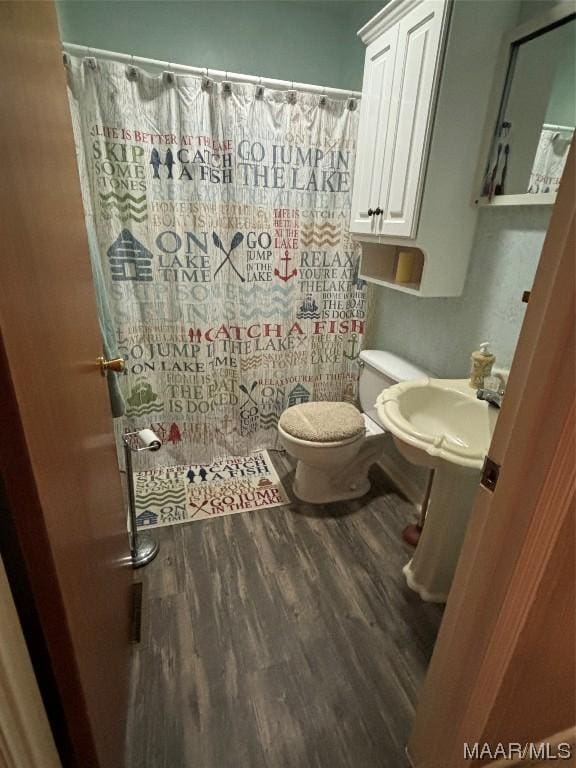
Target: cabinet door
417,57
373,129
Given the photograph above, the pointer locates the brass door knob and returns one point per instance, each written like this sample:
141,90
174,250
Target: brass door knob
117,364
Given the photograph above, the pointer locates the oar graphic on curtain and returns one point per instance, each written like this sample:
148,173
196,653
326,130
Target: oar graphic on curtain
246,408
236,240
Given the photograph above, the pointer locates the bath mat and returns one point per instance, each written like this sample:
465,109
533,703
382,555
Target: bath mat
184,493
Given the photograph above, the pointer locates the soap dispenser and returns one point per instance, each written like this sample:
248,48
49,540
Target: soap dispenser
481,365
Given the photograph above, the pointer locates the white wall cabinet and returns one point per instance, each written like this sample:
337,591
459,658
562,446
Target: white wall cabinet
375,118
416,62
396,102
427,79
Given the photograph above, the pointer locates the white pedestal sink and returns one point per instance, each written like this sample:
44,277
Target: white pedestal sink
440,424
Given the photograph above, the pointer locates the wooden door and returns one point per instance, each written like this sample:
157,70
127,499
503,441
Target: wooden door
504,664
63,526
375,119
415,76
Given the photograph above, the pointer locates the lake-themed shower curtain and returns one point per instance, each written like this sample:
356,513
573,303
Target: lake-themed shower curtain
217,216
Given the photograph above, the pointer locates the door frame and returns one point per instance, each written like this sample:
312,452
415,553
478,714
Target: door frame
26,550
520,536
25,735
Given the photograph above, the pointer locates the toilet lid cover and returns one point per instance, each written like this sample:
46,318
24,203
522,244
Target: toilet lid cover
322,422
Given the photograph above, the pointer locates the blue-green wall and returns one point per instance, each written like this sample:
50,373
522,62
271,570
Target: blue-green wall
440,334
311,42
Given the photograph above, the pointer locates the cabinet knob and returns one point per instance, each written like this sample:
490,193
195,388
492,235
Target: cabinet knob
370,212
378,211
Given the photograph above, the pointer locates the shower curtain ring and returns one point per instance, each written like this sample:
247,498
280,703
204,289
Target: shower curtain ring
206,80
132,69
91,60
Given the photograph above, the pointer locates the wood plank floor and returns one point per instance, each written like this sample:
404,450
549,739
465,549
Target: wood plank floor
281,638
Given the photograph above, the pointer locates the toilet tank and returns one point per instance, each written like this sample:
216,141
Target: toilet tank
380,369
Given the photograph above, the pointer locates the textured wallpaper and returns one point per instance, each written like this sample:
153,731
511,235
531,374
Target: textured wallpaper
440,334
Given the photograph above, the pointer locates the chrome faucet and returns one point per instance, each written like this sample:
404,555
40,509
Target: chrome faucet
492,396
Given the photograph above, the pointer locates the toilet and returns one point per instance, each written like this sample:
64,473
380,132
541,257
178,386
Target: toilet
334,443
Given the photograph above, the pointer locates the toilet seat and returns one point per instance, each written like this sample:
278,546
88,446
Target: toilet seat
314,444
323,423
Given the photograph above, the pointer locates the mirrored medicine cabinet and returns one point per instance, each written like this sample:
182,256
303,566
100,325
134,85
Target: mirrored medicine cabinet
533,112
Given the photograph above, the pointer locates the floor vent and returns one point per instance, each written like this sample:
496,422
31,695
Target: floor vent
136,622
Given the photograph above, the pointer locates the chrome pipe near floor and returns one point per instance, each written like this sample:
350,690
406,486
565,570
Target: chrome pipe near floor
143,548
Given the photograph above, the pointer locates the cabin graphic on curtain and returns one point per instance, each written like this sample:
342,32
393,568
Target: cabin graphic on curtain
129,259
298,395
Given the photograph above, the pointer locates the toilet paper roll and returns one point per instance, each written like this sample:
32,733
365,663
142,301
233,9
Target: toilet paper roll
404,267
150,439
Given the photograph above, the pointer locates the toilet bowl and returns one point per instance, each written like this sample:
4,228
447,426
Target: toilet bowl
334,443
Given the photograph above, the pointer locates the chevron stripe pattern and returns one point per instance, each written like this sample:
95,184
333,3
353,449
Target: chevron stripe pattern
247,363
124,207
268,293
162,499
280,309
163,496
320,234
268,420
136,411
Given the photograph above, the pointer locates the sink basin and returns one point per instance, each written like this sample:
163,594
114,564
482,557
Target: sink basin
437,420
440,424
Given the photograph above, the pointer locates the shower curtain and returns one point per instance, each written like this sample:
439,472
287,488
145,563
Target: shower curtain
549,161
218,218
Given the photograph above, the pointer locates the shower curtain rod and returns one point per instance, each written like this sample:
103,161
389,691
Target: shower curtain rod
215,74
553,127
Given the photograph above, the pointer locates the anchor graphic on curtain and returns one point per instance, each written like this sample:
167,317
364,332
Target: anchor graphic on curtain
285,277
353,347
